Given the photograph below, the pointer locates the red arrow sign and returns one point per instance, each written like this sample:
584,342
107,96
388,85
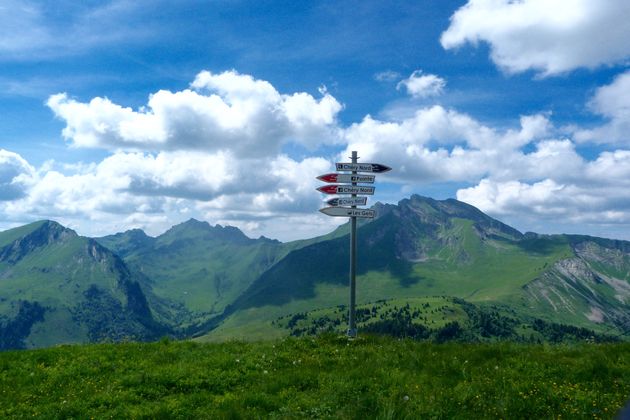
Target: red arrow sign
346,189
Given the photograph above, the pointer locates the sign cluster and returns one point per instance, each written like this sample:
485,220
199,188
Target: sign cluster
347,183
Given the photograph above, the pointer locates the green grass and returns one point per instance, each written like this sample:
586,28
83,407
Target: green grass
324,377
8,236
488,272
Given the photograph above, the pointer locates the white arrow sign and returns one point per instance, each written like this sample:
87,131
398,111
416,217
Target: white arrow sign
348,212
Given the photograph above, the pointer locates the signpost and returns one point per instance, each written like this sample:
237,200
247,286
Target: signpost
337,210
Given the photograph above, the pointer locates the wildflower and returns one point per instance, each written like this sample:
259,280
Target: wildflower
265,372
406,398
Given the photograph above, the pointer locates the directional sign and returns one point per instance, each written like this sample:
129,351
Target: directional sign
346,189
347,201
341,178
348,212
363,167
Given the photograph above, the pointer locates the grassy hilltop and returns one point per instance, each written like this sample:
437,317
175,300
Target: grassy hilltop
322,377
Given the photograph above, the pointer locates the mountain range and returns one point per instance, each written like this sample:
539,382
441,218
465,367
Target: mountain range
215,283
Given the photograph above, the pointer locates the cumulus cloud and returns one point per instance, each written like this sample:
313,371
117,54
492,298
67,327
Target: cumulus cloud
137,189
613,103
226,111
550,200
421,85
518,173
594,193
214,152
438,144
16,176
548,37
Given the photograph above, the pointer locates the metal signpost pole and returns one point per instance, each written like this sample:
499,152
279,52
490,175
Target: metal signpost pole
352,328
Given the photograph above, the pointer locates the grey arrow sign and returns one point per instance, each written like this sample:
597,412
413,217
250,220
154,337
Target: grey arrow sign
347,201
348,212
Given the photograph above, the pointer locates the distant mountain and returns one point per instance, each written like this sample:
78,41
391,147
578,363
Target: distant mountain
424,247
56,286
199,267
216,283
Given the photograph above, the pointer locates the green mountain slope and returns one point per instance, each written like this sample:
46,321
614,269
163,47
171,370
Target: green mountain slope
594,283
423,247
58,287
197,279
200,268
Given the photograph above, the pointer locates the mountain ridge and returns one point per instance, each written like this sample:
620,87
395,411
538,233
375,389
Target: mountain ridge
60,286
214,281
449,248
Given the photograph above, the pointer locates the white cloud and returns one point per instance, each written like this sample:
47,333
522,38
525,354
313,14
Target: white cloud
515,197
522,175
238,113
16,176
213,152
550,37
558,204
421,85
595,192
437,144
613,103
128,190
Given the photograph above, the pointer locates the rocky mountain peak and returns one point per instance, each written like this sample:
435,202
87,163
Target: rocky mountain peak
36,235
193,229
440,212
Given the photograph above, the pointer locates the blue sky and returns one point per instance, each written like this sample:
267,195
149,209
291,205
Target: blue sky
116,115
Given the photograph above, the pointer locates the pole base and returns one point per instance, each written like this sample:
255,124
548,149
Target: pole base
352,333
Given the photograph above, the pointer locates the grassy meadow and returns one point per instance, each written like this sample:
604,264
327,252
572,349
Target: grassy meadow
320,377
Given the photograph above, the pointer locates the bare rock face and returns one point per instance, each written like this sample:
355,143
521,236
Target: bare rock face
584,284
